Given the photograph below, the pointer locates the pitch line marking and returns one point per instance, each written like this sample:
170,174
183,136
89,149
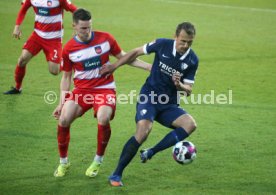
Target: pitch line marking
219,6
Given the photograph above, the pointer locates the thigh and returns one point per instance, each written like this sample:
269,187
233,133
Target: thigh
104,103
25,57
185,121
69,113
168,114
104,114
143,129
53,68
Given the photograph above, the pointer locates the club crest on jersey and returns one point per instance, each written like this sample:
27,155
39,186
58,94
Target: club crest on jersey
49,3
143,112
98,49
184,66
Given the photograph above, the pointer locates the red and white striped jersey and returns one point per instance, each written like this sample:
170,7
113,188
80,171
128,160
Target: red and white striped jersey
48,16
87,58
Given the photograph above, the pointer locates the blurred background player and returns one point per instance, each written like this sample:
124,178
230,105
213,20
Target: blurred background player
85,54
173,70
47,36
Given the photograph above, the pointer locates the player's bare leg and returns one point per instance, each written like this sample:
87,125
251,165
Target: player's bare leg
104,131
185,121
69,113
53,68
19,72
130,149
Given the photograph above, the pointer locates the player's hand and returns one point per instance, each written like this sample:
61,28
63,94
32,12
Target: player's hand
176,79
107,69
148,67
17,32
57,112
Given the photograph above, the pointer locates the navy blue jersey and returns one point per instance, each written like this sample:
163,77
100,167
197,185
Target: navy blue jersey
167,62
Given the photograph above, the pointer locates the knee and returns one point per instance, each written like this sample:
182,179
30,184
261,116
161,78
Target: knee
54,71
103,120
22,61
193,126
189,126
142,133
63,122
53,68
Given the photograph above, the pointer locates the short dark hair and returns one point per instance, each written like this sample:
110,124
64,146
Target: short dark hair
81,14
187,26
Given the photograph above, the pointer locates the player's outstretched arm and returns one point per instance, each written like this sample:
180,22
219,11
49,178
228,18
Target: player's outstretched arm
138,63
123,59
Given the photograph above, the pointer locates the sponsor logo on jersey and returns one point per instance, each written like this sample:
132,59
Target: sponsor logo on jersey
92,63
98,49
168,70
43,11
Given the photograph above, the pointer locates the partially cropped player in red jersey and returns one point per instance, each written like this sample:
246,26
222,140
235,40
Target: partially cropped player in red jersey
84,55
47,35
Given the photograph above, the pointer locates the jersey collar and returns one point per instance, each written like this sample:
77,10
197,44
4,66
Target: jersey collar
184,55
87,42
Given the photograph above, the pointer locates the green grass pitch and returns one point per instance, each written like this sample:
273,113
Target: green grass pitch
236,44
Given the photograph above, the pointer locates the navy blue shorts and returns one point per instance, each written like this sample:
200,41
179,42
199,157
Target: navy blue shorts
165,114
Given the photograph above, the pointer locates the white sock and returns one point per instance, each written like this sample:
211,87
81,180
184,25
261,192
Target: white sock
98,159
63,160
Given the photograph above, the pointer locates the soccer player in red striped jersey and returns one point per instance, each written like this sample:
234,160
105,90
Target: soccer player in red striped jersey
83,56
47,36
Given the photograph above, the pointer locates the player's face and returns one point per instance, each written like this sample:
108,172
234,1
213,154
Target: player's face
83,29
183,41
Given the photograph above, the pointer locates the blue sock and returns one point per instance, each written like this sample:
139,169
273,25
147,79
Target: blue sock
128,152
169,140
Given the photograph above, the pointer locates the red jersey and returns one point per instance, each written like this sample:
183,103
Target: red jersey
48,16
87,58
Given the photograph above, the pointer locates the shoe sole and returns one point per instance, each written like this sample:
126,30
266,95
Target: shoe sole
115,183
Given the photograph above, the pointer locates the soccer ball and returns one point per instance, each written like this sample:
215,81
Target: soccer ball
184,152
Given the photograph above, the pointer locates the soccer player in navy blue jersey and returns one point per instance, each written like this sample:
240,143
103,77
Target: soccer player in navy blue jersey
173,72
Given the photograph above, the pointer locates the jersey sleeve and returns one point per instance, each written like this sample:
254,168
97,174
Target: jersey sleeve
115,49
25,5
152,46
191,73
68,5
66,64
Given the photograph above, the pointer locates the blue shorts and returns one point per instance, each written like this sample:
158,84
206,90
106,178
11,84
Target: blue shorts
165,114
